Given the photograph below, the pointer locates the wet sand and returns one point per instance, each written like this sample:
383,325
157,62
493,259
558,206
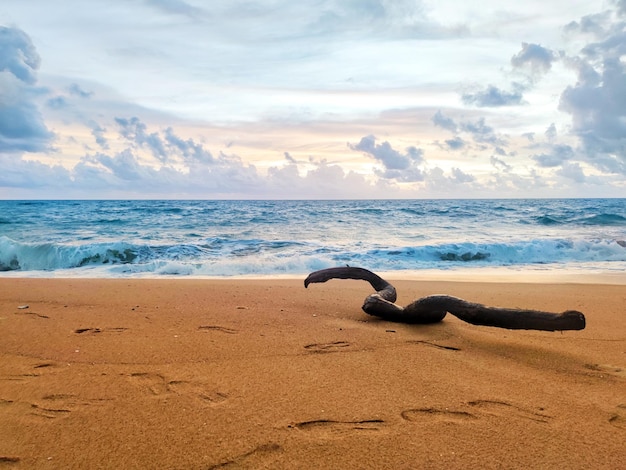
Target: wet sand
206,374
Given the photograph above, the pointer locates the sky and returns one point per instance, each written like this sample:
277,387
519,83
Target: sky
314,99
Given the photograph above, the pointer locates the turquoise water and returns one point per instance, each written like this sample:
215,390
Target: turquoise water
233,238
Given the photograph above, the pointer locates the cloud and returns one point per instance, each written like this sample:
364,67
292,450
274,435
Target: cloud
500,164
177,7
324,181
76,90
597,102
551,132
492,96
58,102
456,143
22,128
397,165
18,55
135,131
188,149
557,156
476,129
444,122
459,176
19,173
572,171
98,133
538,58
481,132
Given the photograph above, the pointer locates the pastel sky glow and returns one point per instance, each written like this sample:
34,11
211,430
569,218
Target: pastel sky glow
328,99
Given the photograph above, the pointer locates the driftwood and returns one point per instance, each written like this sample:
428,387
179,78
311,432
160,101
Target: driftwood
433,308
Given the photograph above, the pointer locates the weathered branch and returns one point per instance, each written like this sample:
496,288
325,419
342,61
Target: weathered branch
433,308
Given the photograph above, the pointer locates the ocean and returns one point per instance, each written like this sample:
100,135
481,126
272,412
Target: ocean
139,238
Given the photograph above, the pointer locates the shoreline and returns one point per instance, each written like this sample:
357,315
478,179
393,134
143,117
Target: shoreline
483,274
199,373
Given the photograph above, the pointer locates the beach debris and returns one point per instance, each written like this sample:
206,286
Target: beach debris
433,308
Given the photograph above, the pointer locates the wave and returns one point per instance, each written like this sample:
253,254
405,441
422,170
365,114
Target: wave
221,256
604,219
547,220
600,220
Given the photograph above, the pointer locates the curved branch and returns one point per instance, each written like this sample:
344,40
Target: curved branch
433,308
382,287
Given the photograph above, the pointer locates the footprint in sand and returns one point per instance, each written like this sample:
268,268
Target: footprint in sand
207,397
60,404
28,375
434,345
335,346
436,414
154,384
259,457
47,412
157,385
607,369
618,419
332,429
476,409
82,331
221,329
507,410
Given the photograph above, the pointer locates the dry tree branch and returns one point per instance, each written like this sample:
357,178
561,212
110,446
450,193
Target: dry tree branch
433,308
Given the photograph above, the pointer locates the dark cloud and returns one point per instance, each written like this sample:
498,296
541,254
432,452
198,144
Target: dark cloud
399,166
459,176
478,129
76,90
58,102
551,132
124,166
597,102
444,122
188,149
556,157
481,132
492,96
182,172
22,128
500,164
19,173
98,132
135,131
572,171
535,56
456,143
18,56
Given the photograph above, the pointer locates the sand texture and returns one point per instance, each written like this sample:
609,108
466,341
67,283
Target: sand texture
228,374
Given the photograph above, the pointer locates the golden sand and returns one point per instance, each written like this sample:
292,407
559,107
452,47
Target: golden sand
206,374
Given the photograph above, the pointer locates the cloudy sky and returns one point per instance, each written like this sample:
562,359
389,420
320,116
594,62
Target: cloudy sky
282,99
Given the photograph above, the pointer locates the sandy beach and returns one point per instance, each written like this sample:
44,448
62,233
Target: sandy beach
207,374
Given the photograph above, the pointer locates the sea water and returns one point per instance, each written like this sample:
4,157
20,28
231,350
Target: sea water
142,238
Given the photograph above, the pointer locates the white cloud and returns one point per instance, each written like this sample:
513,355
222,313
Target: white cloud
242,99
